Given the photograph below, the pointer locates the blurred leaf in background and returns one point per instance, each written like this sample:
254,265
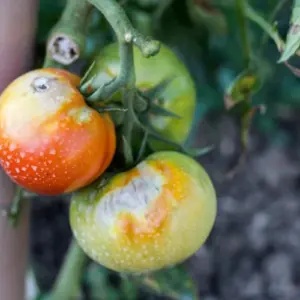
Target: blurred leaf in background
49,13
174,283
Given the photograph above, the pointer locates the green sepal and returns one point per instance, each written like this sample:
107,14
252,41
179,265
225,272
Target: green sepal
160,111
143,147
127,150
154,92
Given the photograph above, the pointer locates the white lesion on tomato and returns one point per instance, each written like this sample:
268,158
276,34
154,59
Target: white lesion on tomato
135,197
81,114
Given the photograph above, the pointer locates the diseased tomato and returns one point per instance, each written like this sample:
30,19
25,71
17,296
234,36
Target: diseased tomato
179,96
51,142
155,215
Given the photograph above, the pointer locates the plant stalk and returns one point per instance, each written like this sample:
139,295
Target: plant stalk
240,4
121,25
67,38
127,36
273,14
67,285
263,24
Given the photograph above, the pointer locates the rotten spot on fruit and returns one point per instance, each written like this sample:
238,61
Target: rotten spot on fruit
81,115
41,84
63,49
134,197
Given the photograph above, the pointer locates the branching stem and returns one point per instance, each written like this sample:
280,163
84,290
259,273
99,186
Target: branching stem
121,25
127,37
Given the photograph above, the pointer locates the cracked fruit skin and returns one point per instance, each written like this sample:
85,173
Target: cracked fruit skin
155,215
51,142
179,96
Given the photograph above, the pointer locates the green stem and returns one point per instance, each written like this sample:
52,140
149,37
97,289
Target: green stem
273,14
68,37
121,25
127,36
269,29
68,282
16,207
240,4
129,92
75,14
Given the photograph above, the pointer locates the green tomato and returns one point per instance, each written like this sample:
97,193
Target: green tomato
179,96
155,215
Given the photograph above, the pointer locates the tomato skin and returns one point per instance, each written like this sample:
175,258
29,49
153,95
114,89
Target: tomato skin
51,142
179,95
152,216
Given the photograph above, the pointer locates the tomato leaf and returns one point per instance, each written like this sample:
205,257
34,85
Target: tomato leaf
293,36
99,284
196,152
174,283
241,89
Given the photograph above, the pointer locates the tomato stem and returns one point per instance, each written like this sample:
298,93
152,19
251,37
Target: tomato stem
67,38
241,8
16,207
263,24
126,77
67,285
273,14
127,37
125,32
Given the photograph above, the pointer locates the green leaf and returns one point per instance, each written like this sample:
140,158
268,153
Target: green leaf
174,283
242,88
197,152
293,36
49,13
100,284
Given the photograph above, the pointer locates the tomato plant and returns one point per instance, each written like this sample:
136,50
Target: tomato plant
156,214
178,96
107,135
51,141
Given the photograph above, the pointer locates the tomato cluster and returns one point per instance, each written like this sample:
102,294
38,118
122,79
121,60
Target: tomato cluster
157,213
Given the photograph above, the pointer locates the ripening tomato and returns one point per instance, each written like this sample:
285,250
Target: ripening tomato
157,214
51,142
179,96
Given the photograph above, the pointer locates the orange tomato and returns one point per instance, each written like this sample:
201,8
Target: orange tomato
155,215
51,142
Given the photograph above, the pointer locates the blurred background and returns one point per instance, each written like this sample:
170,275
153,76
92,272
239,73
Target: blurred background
253,250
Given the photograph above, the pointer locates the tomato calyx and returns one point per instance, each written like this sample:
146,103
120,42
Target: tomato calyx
146,104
